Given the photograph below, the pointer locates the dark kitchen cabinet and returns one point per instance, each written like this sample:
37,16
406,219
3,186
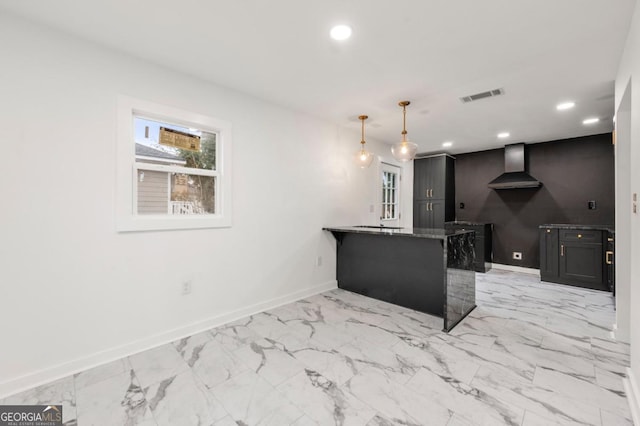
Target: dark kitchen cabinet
433,191
574,257
549,259
428,214
483,245
609,262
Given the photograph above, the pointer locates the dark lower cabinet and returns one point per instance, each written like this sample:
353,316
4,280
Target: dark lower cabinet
574,257
549,259
581,263
609,262
483,245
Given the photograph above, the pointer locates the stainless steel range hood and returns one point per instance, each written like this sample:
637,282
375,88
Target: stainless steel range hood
514,176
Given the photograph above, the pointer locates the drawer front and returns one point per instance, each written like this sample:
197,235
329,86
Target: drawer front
584,236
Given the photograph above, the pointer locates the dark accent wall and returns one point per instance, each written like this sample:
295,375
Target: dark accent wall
572,172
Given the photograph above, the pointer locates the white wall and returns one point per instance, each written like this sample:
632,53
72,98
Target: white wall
629,71
75,293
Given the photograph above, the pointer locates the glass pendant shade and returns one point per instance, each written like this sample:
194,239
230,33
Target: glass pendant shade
404,150
363,158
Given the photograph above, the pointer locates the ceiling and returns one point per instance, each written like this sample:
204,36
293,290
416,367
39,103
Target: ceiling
431,52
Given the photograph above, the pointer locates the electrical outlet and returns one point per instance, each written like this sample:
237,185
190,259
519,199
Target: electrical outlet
186,288
517,255
319,261
591,205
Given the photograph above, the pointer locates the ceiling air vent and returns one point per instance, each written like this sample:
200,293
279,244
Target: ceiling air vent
478,96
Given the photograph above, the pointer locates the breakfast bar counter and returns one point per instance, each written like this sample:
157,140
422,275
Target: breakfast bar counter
428,270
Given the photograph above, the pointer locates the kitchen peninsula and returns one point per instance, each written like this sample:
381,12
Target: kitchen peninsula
428,270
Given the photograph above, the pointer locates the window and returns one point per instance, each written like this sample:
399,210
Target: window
390,189
173,168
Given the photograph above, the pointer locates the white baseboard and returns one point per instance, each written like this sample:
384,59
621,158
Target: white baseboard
633,395
512,268
46,375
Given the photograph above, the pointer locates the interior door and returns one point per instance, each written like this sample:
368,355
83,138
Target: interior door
390,193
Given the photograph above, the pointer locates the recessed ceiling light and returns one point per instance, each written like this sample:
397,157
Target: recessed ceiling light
504,135
565,105
591,120
340,32
446,144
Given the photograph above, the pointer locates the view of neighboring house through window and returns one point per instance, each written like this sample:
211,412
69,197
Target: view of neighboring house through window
176,169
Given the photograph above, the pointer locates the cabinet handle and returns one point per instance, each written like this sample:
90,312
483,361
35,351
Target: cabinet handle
609,257
579,235
561,249
427,191
431,192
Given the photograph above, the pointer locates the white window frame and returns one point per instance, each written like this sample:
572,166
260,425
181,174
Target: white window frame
127,219
398,188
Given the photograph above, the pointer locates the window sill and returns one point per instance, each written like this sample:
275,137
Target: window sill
168,223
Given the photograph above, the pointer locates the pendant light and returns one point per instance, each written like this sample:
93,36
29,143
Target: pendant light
404,150
363,158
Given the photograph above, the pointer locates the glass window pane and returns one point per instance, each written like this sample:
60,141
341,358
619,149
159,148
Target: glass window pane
389,195
153,192
192,194
149,148
175,193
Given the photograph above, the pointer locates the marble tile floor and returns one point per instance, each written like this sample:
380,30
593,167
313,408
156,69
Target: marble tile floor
530,354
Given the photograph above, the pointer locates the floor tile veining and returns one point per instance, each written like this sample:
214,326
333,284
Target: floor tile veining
530,354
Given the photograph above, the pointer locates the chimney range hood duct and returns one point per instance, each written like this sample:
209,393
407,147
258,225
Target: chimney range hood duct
514,175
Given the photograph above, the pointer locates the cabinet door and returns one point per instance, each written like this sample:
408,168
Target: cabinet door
421,178
437,213
437,178
609,262
582,263
549,263
422,217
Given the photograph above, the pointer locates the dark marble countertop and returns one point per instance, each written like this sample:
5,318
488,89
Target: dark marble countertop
466,223
609,228
437,234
